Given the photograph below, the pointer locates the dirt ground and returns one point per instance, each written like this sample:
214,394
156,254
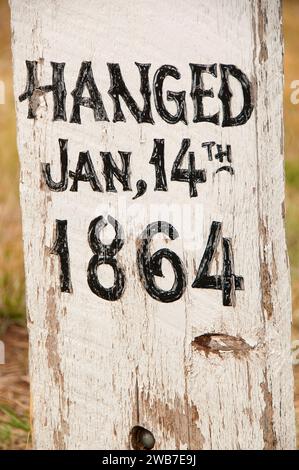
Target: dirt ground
14,386
296,376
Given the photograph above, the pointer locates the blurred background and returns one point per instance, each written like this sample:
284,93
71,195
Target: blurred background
14,382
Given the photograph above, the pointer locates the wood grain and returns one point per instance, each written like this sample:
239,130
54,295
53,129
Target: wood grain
197,374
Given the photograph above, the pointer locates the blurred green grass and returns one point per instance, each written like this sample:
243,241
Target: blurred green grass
11,424
291,125
12,304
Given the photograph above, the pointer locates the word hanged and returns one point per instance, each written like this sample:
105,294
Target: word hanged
118,89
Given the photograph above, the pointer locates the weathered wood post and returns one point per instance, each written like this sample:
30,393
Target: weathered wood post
152,189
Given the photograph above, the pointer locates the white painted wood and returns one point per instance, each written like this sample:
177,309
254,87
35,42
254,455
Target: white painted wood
98,368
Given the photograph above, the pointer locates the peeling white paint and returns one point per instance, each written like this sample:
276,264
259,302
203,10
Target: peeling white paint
98,368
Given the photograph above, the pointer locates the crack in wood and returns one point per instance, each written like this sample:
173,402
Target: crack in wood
267,418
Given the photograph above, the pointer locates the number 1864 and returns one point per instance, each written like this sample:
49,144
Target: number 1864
149,265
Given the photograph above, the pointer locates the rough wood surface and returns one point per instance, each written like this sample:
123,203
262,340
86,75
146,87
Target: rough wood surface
197,374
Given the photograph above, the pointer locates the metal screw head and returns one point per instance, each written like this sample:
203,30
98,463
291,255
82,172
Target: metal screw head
141,438
147,440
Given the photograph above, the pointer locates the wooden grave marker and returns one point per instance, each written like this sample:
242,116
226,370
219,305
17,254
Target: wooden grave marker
152,190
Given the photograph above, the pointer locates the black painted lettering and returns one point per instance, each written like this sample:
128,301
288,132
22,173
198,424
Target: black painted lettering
118,89
179,98
158,159
85,164
34,90
46,170
105,254
190,175
225,95
61,249
228,282
111,169
198,92
209,146
94,101
221,154
150,266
